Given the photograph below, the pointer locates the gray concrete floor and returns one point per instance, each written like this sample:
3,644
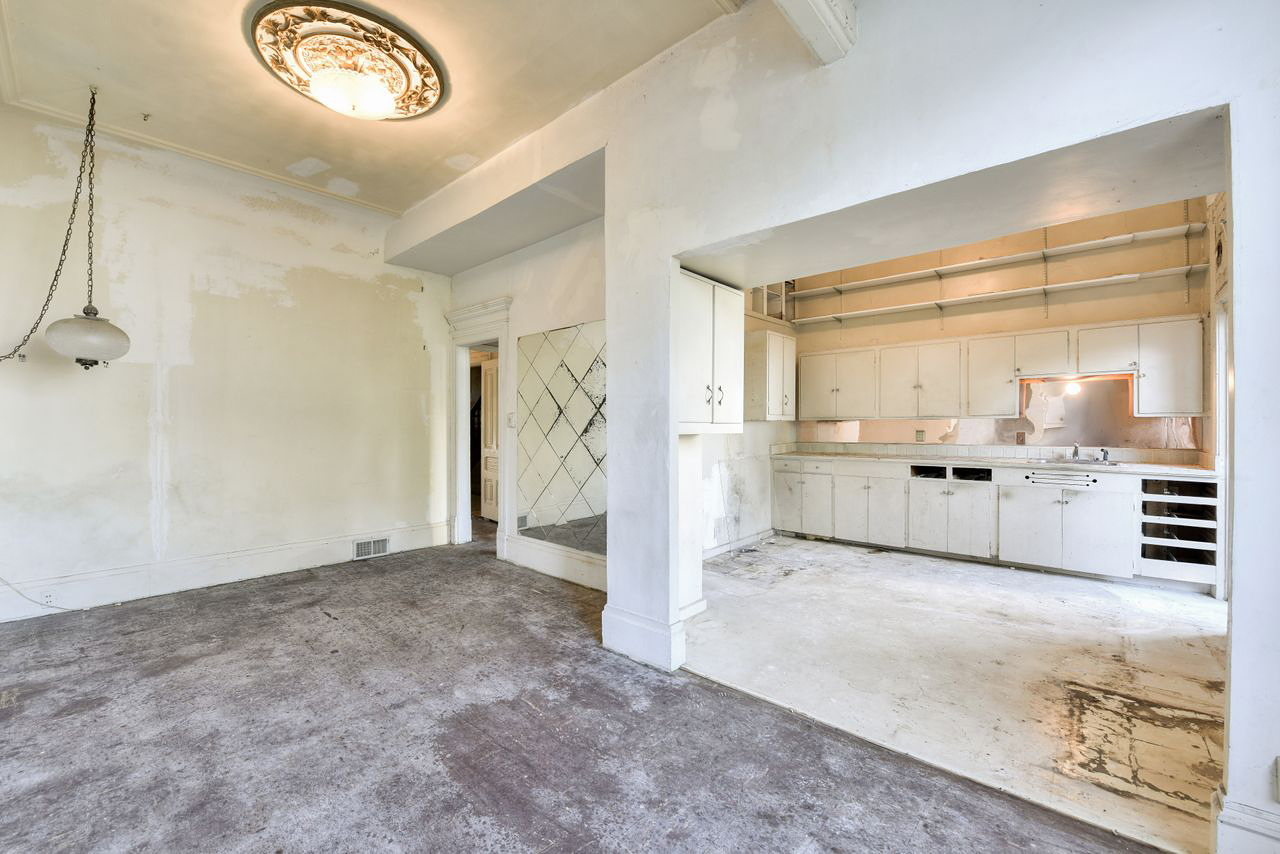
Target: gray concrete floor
435,700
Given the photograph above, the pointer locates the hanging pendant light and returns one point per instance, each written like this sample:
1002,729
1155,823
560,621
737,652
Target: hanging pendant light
87,338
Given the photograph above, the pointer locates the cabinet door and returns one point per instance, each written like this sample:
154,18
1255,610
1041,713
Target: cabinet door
730,338
1170,368
993,389
1098,530
815,505
927,514
786,500
788,377
899,371
1031,525
849,508
1042,353
856,384
887,511
939,379
818,386
692,319
971,519
774,360
1107,350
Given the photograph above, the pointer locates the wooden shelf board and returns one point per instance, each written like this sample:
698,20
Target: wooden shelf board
1186,523
1177,499
1179,544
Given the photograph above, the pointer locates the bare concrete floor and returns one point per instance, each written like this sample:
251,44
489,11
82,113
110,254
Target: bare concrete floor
435,701
1102,700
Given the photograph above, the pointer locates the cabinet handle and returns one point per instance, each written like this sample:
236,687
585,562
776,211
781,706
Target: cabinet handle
720,402
785,400
709,394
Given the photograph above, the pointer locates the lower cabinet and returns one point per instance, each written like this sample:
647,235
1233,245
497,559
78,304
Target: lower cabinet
786,500
952,516
927,514
1031,525
887,511
815,504
849,513
1076,529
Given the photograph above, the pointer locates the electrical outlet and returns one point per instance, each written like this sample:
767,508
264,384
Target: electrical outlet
1020,438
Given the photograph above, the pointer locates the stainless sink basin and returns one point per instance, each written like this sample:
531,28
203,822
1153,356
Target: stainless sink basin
1069,461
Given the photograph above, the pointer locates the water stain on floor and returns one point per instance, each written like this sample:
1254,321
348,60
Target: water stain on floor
1139,748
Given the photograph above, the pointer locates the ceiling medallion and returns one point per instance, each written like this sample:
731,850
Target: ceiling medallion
350,60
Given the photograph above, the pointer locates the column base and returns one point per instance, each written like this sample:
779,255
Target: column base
644,639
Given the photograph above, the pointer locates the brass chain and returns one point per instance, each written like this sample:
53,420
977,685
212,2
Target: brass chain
86,160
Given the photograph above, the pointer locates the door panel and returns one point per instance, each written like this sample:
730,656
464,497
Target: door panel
1031,525
971,519
729,345
856,384
1042,353
939,379
887,511
815,505
775,359
899,367
849,508
693,318
818,386
927,514
1109,349
788,377
993,389
1170,368
786,501
489,439
1098,531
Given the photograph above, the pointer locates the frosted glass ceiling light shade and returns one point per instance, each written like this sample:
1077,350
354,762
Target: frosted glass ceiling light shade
352,61
87,338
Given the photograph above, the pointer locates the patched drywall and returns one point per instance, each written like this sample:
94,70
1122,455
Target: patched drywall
282,395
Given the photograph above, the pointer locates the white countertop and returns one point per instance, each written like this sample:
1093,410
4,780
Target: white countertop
1014,462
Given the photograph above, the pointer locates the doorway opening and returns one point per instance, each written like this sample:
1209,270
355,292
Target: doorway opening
483,437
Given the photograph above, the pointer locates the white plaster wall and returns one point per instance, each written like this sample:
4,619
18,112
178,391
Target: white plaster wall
735,130
278,399
737,483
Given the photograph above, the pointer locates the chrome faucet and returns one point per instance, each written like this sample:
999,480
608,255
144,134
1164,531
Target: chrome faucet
1075,452
1106,455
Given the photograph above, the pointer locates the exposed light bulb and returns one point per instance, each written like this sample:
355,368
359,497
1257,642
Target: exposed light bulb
362,96
1073,388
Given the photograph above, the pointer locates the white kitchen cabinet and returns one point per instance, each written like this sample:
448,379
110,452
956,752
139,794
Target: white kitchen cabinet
786,500
971,518
899,369
815,504
1098,532
770,377
1042,353
939,379
849,508
1170,368
707,324
993,386
1107,350
927,514
887,511
1031,525
838,385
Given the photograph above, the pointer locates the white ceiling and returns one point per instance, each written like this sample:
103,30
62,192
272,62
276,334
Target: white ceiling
511,65
1165,161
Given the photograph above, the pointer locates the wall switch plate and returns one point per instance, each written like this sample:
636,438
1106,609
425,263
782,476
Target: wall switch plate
919,435
511,420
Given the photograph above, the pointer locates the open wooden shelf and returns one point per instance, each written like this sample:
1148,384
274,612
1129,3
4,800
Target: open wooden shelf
993,296
985,263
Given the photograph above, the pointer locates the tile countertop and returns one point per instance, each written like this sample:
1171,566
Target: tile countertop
1013,462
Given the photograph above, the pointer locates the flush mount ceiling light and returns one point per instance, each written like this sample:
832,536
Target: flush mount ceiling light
350,60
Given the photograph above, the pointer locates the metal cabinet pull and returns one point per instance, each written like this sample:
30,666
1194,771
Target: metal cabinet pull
720,402
709,394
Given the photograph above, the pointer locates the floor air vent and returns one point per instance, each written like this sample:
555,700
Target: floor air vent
370,548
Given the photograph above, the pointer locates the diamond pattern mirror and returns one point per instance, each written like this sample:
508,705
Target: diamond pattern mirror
560,431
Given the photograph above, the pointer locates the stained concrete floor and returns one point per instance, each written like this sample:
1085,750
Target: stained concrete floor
436,700
1098,699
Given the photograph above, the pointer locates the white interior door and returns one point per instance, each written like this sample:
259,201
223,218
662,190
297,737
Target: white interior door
938,375
729,325
788,376
692,321
1031,525
898,378
775,357
1098,531
927,514
971,518
856,383
993,388
1042,353
849,508
887,511
1171,368
1108,349
489,439
818,386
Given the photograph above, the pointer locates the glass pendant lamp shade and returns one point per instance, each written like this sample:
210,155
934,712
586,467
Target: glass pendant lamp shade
87,338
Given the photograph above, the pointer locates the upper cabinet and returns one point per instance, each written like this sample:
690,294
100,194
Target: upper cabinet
770,377
838,385
920,380
1170,368
707,328
1042,354
1107,350
993,385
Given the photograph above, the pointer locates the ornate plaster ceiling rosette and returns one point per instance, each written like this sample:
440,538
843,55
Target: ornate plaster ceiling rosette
300,42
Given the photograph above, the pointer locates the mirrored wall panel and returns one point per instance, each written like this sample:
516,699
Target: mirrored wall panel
560,430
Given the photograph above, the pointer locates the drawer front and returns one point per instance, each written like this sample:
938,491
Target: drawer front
818,466
788,465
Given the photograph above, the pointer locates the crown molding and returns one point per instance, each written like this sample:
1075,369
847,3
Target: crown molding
8,73
481,314
729,6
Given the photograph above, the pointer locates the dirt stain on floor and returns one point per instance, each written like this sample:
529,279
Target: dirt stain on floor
1139,748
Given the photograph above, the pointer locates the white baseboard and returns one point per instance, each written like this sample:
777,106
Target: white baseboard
557,561
648,641
139,581
693,609
749,540
1243,829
